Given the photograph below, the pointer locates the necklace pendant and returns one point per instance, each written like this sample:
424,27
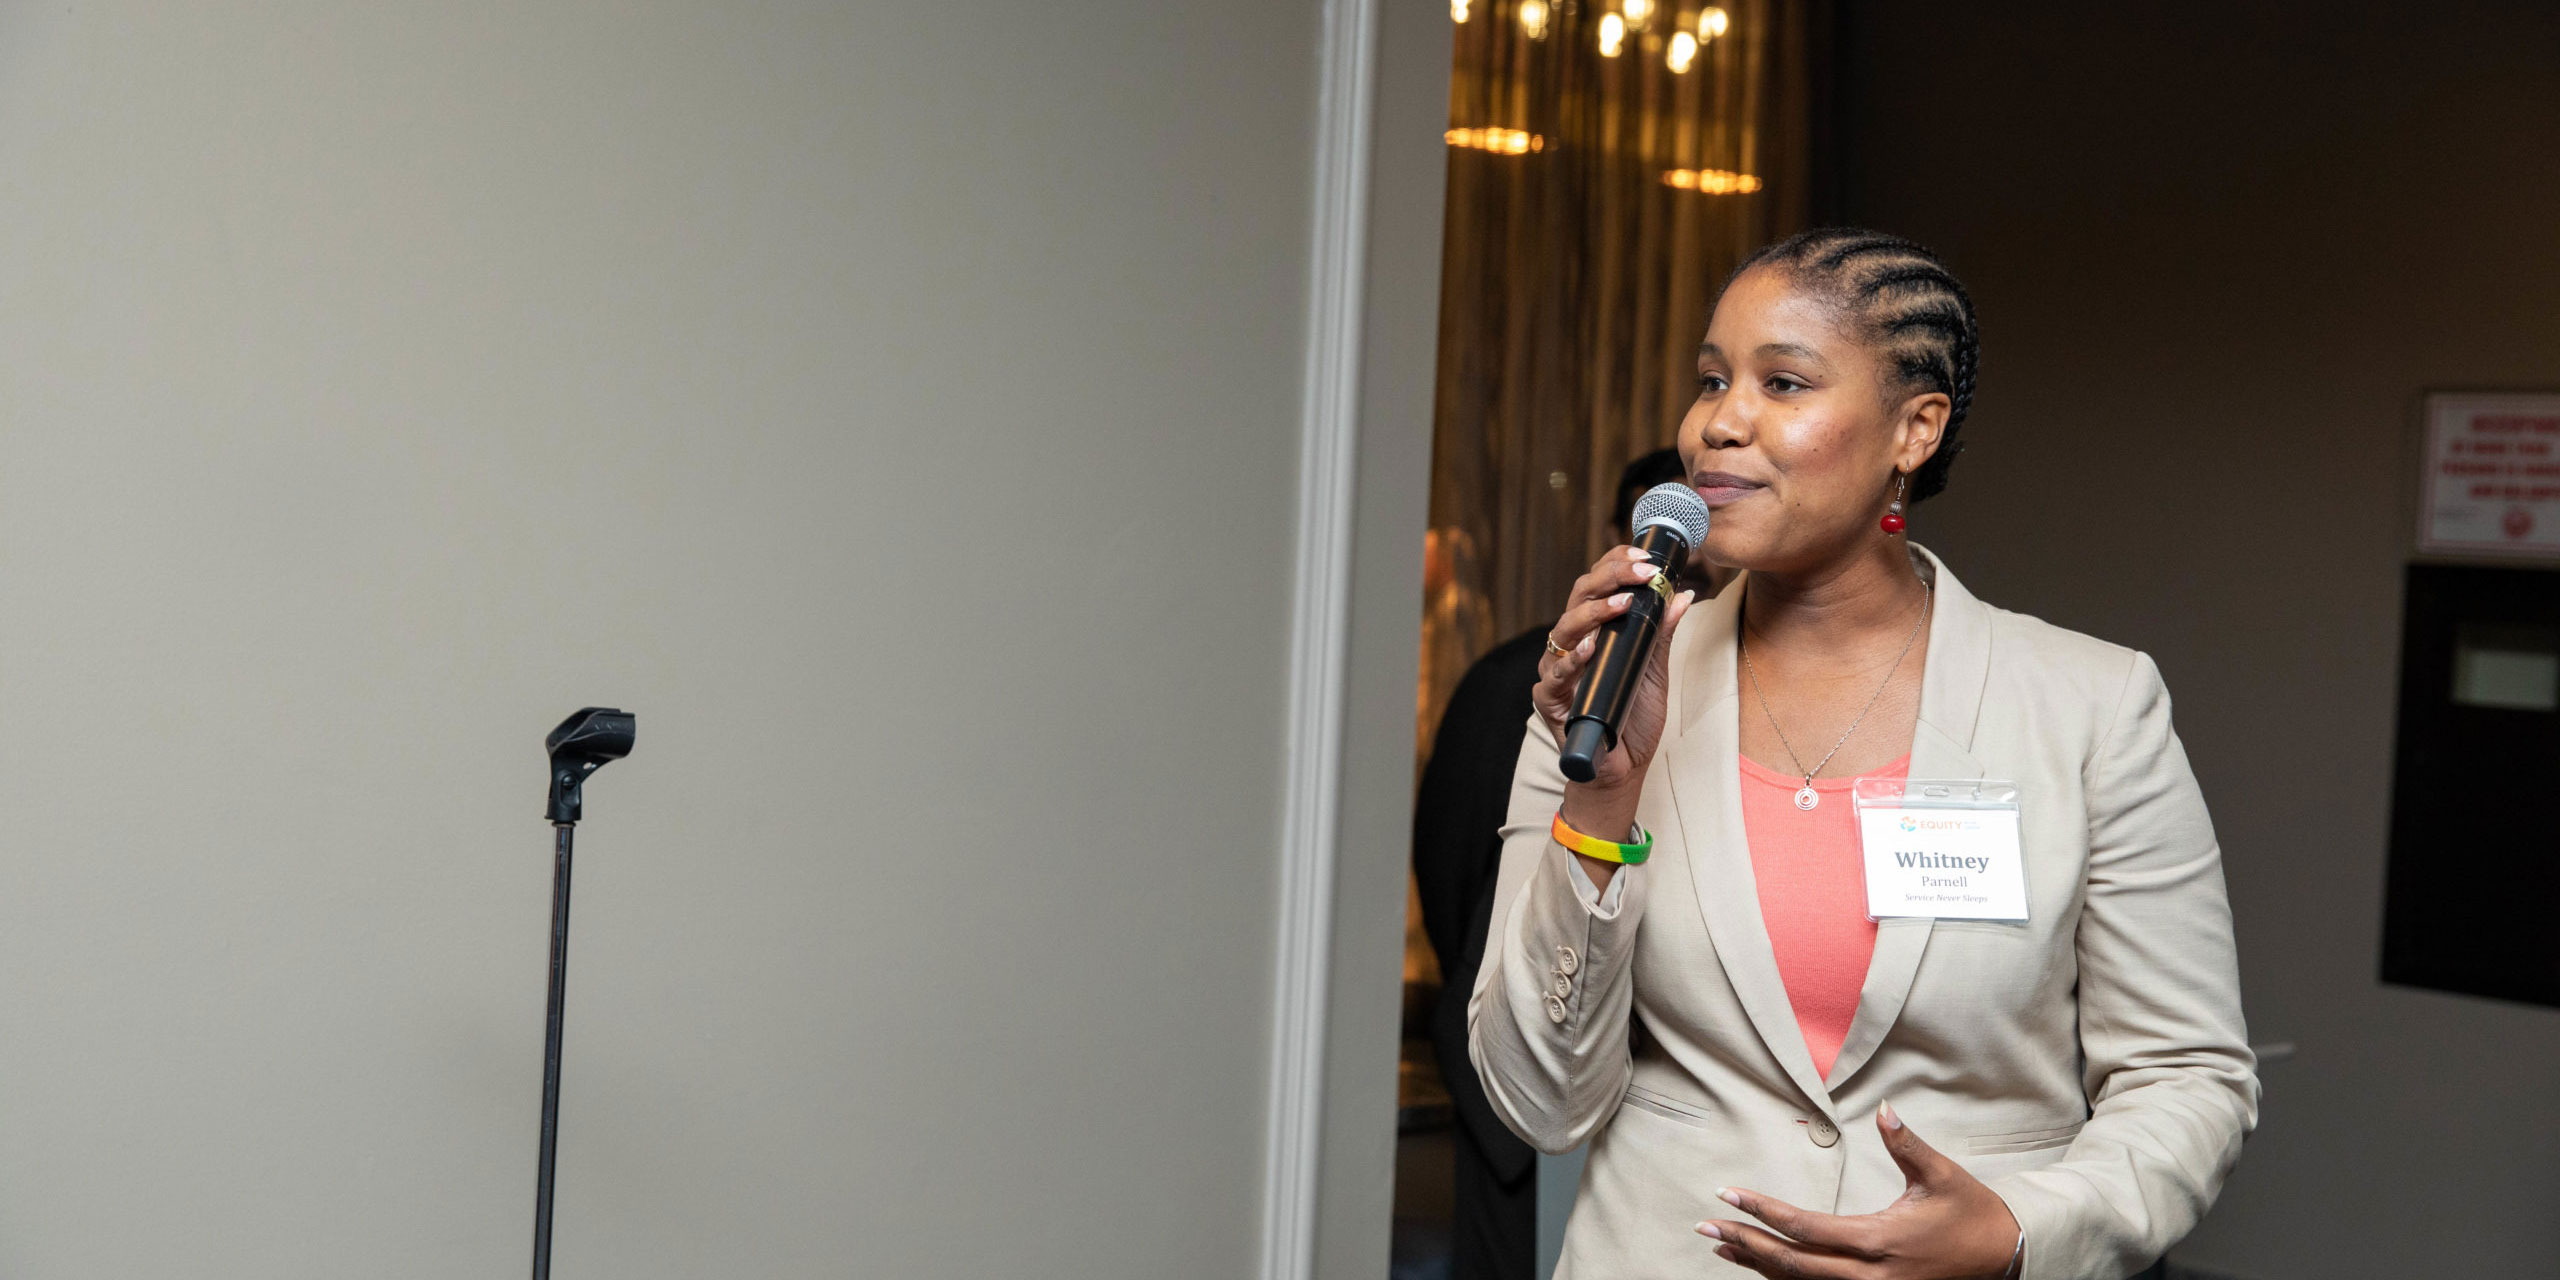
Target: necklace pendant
1806,799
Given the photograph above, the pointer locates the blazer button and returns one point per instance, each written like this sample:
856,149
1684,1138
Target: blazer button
1562,986
1567,962
1822,1131
1555,1013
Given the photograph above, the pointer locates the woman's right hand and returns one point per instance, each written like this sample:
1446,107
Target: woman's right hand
1609,799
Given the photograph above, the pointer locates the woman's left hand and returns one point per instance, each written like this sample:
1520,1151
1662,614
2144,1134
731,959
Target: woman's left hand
1946,1226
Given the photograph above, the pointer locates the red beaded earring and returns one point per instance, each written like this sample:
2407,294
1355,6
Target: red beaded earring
1892,521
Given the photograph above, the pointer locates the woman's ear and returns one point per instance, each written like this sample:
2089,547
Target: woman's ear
1923,424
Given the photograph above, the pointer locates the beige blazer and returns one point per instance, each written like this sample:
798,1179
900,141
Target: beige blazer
2090,1064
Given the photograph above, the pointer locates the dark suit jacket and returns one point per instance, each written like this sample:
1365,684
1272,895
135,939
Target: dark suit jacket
1457,849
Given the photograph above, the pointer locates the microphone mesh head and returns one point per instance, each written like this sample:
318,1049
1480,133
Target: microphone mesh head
1674,506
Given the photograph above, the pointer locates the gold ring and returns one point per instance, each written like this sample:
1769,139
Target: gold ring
1557,649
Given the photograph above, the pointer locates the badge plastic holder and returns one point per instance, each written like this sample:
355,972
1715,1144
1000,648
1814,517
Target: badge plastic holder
1919,798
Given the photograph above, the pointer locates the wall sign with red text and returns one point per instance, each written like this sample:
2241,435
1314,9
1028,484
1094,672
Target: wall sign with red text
2492,482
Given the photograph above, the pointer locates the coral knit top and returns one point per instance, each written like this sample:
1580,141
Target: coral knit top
1813,896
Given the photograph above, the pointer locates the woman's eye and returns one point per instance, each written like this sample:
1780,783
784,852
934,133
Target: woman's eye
1786,382
1710,382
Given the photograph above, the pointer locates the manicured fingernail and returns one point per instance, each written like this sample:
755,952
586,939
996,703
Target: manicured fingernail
1891,1121
1708,1229
1638,554
1728,1195
1619,600
1684,598
1583,650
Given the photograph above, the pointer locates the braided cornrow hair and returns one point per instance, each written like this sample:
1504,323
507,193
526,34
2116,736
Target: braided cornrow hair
1905,303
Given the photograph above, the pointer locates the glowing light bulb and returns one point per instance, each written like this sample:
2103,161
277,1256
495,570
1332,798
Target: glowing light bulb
1683,51
1458,11
1713,22
1639,12
1714,182
1500,141
1533,18
1613,35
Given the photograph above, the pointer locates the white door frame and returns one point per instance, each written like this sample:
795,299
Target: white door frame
1319,640
1372,336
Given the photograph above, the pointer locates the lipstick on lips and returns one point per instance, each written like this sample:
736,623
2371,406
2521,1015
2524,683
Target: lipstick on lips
1721,487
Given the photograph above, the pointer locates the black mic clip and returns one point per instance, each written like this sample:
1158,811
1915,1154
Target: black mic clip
584,743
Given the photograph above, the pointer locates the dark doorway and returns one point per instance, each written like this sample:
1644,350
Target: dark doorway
2475,860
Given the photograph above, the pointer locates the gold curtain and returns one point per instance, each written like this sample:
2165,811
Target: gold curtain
1595,203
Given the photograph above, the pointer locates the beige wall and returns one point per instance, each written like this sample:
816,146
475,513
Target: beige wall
2218,252
385,381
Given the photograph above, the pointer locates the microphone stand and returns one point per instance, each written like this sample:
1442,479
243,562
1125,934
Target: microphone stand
583,743
551,1049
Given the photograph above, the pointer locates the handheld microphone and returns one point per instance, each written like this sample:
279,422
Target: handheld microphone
1670,523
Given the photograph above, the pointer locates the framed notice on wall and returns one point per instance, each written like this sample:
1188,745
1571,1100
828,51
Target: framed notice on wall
2492,475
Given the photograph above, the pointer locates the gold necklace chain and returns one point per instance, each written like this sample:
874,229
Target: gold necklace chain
1806,796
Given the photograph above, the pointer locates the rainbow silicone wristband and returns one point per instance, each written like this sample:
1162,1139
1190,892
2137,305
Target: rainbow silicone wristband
1605,850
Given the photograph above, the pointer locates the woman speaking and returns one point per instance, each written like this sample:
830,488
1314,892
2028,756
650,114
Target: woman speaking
1789,1049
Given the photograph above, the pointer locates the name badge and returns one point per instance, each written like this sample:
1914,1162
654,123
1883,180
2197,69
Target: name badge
1941,849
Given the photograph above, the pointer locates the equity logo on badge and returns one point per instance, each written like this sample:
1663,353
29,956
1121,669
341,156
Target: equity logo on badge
1908,824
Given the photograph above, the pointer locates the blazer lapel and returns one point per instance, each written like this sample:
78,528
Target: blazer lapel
1706,791
1959,661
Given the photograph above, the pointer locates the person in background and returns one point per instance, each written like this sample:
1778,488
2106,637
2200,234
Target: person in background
1457,847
